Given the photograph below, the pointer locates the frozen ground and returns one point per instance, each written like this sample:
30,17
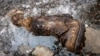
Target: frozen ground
11,36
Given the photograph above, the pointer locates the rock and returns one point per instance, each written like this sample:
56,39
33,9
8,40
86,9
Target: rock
2,53
92,40
24,50
42,51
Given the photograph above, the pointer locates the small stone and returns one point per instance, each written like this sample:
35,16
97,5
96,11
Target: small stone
24,50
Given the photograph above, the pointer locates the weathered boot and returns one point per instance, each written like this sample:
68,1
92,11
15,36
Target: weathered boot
69,31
